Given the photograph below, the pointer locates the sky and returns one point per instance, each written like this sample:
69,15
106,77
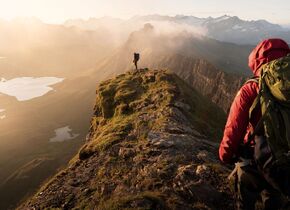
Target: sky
57,11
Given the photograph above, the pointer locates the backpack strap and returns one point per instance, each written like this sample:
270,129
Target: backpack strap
260,123
253,79
252,108
257,99
254,105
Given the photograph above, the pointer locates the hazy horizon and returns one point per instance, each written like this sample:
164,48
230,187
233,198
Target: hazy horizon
58,11
29,18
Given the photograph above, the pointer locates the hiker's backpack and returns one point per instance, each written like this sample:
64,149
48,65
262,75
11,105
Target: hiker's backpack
272,149
136,57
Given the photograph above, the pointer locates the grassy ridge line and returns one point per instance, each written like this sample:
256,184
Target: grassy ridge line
143,120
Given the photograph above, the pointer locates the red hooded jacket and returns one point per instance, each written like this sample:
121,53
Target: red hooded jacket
239,126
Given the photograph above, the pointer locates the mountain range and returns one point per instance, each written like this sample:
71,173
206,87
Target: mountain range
85,53
224,28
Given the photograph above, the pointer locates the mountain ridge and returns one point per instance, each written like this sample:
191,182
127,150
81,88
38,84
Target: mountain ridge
150,146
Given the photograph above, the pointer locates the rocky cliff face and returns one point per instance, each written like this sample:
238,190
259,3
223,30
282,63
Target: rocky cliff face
217,85
149,147
220,87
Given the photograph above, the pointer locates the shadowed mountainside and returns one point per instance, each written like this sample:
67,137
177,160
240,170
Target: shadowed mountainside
220,87
149,147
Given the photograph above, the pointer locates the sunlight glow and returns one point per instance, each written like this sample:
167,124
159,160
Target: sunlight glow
57,11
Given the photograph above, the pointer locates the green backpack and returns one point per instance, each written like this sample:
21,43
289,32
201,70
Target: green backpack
272,149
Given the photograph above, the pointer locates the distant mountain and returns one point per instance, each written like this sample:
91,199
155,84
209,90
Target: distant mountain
286,26
228,28
233,29
225,28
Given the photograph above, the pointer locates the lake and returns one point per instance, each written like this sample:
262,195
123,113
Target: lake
27,88
63,134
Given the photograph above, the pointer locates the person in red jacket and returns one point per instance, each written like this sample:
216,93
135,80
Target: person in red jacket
249,183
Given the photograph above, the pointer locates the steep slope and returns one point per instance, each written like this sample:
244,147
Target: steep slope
149,147
220,87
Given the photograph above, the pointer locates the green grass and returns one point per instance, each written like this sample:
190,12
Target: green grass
146,200
120,100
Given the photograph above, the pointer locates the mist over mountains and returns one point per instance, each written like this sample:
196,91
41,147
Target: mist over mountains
225,28
210,54
30,47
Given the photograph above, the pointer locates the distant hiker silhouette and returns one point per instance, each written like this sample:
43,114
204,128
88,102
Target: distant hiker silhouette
136,59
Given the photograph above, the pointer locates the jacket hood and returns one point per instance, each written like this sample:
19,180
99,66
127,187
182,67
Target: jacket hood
266,51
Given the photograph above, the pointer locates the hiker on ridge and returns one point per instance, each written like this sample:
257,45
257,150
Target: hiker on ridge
238,144
136,59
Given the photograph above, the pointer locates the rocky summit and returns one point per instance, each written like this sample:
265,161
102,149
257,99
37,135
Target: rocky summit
152,145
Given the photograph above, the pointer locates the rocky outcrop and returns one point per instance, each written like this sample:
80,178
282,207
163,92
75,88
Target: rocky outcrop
150,146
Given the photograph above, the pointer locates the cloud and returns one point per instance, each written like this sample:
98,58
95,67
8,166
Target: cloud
169,27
